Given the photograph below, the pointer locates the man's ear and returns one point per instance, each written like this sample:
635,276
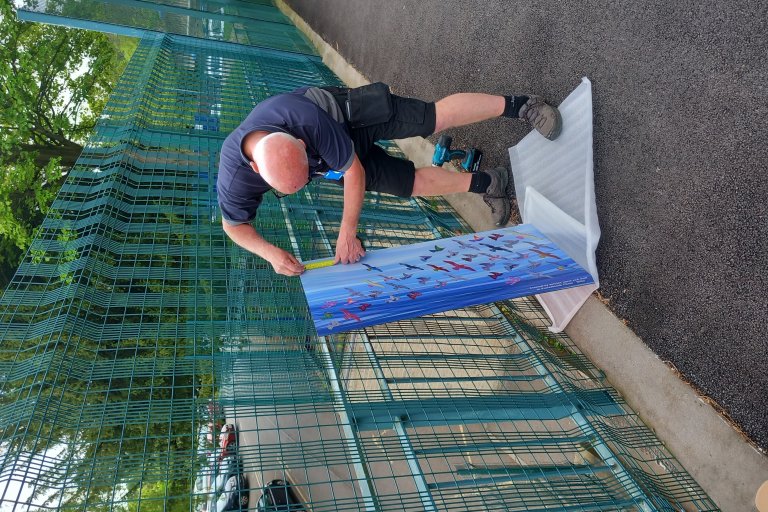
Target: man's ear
254,167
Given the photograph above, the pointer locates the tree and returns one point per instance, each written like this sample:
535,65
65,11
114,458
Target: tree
54,83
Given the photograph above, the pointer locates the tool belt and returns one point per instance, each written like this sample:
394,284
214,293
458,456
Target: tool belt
364,106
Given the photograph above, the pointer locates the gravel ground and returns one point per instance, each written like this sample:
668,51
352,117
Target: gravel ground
680,100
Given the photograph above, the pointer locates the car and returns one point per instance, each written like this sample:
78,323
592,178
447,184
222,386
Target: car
227,440
221,478
226,468
279,496
234,496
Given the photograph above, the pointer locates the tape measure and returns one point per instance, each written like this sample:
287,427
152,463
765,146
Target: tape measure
319,264
325,263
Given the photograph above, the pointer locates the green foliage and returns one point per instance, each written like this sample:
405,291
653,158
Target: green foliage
162,497
25,195
125,46
54,83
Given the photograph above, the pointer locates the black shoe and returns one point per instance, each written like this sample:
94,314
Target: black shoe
497,197
542,116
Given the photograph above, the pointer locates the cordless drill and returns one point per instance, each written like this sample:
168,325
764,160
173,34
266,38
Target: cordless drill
471,158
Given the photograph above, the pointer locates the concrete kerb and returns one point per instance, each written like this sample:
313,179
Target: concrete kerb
728,468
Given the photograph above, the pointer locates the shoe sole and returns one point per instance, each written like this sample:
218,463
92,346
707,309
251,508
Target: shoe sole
558,125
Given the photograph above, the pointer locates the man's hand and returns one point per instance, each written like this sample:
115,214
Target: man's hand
284,262
348,248
245,236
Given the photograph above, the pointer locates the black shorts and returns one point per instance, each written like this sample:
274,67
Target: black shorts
383,172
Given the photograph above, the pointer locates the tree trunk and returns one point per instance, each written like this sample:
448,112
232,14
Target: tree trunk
68,153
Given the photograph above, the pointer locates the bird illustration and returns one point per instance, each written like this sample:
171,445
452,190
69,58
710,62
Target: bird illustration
495,275
525,235
451,254
424,258
512,280
406,276
437,249
476,238
350,300
495,236
441,284
398,286
373,283
364,306
540,275
511,243
462,244
327,314
510,266
534,264
437,268
387,278
411,267
486,266
423,280
333,325
413,295
354,293
375,294
348,315
495,248
392,298
328,304
469,257
459,266
537,245
371,268
545,254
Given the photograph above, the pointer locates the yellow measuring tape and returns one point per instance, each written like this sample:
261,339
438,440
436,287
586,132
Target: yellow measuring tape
319,264
324,263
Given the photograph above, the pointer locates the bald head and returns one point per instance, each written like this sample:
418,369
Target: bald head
281,159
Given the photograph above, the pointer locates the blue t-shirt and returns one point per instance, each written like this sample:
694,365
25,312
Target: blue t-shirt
329,146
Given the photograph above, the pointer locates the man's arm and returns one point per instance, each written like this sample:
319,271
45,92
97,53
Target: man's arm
348,246
246,236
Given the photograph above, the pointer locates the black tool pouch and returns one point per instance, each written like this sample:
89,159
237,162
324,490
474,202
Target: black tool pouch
368,105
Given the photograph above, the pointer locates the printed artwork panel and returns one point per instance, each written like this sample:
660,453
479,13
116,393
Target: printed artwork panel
441,275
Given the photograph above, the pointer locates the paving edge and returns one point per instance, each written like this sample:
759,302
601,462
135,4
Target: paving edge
727,467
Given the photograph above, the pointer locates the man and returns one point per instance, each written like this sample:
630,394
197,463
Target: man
291,138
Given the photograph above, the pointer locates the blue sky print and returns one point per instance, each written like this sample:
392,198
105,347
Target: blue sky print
430,277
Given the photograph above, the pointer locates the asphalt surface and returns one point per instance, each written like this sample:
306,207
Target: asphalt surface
681,149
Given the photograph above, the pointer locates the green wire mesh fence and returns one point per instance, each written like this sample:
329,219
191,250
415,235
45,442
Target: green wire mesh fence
134,330
248,22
